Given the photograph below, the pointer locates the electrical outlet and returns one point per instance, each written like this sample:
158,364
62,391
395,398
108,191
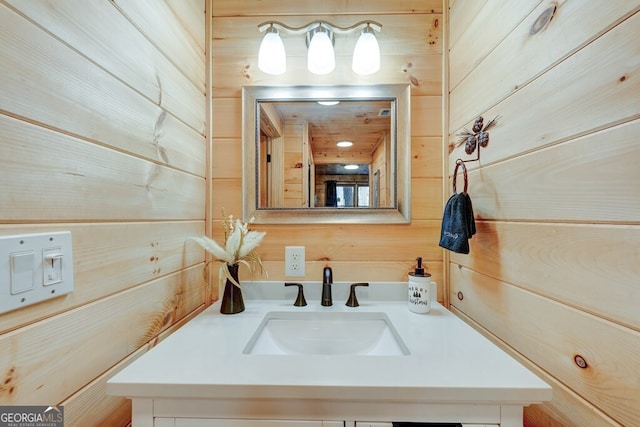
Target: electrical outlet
294,261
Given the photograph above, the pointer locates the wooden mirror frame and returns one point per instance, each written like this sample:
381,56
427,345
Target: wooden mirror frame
400,131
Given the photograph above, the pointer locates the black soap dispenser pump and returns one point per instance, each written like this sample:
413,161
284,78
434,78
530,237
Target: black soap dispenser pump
419,289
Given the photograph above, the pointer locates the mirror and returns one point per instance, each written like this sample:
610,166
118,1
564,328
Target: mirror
294,171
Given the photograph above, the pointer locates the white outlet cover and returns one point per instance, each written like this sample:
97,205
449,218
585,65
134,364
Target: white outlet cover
54,245
294,261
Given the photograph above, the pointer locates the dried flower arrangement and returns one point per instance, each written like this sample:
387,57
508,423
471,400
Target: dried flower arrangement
240,245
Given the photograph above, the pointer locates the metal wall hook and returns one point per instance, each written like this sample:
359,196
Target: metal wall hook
459,163
473,139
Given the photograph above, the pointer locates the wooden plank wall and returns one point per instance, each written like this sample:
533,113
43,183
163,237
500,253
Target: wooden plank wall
411,50
102,132
553,271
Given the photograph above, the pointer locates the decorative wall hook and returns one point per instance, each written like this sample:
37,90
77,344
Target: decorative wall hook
477,137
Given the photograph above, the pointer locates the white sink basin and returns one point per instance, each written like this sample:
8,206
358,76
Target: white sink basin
309,333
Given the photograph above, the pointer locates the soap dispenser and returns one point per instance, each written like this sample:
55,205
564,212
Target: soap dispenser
419,289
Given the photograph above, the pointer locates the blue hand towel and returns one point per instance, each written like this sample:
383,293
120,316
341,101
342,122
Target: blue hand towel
457,224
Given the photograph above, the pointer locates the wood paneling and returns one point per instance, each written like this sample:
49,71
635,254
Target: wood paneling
426,153
538,327
564,183
191,17
552,271
112,257
471,46
127,54
411,45
157,21
463,13
55,86
567,407
312,7
91,406
108,330
604,268
411,49
572,49
47,172
102,133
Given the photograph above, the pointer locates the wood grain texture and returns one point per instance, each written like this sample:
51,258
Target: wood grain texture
227,118
426,116
190,14
91,405
426,157
605,267
555,68
566,409
61,89
156,20
227,158
101,34
111,257
551,334
102,132
108,330
565,182
463,13
42,184
363,242
470,47
411,47
553,270
310,7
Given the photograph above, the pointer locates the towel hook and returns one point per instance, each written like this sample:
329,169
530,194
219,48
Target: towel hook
459,163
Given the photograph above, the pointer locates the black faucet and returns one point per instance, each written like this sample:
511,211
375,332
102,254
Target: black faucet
327,280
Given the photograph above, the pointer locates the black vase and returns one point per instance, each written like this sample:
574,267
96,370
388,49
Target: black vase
232,301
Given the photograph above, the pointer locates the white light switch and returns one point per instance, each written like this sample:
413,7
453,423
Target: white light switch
52,266
34,268
22,268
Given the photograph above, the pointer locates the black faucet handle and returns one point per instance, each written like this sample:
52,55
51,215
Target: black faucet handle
327,275
300,301
353,300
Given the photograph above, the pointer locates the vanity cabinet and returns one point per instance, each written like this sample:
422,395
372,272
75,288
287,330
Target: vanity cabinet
202,375
374,424
203,422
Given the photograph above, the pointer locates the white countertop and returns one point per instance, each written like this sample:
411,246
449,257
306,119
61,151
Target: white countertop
448,361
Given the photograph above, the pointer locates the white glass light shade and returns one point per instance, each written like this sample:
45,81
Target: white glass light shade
366,55
321,58
272,58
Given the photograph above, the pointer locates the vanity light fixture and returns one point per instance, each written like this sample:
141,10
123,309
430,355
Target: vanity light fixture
344,143
351,167
320,39
366,55
321,58
272,58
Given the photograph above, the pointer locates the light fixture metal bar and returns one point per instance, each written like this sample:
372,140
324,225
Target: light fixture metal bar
305,28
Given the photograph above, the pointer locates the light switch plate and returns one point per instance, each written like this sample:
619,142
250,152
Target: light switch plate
45,259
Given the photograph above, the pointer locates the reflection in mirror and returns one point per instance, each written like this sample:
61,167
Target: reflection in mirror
326,154
330,154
